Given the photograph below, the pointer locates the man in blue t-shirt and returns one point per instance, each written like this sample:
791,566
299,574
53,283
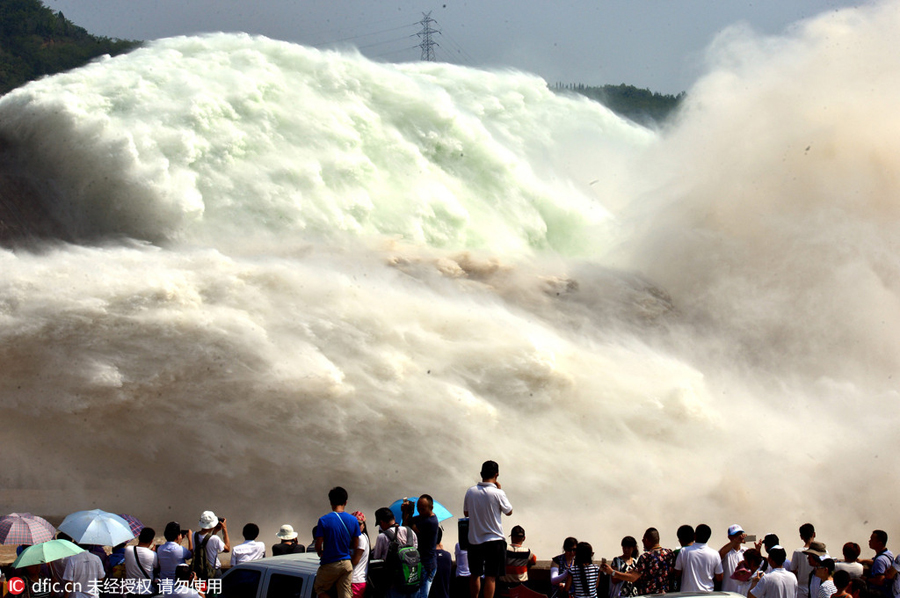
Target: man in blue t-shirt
877,581
337,544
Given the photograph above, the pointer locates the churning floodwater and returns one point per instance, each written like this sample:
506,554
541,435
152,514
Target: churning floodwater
282,269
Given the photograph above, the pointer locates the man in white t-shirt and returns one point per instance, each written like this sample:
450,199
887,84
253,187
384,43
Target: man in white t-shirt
250,549
388,531
699,565
777,582
141,562
814,555
732,554
800,562
384,517
851,563
210,525
83,572
483,505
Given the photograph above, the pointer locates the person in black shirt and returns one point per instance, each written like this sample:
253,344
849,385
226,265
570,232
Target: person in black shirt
289,543
426,526
440,588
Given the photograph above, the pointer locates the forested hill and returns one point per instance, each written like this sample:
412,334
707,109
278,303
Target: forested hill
36,41
640,105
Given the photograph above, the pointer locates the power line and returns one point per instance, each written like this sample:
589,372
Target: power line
347,39
407,49
387,41
467,58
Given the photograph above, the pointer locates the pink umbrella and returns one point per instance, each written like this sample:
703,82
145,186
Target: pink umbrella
25,528
134,523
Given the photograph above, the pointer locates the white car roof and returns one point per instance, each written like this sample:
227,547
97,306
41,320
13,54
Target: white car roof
288,563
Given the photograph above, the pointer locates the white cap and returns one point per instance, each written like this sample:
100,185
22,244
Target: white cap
735,529
208,520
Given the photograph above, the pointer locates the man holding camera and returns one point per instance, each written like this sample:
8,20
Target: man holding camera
207,539
483,505
172,553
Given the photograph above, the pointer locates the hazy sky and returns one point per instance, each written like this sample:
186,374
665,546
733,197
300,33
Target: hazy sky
657,44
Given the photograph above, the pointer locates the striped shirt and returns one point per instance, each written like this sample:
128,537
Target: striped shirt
518,560
584,574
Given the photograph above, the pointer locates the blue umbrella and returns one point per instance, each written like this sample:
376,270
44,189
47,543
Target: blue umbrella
96,527
440,511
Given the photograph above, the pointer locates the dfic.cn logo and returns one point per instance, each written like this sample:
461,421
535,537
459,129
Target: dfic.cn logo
16,585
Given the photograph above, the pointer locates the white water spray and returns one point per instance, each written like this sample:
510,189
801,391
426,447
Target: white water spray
299,269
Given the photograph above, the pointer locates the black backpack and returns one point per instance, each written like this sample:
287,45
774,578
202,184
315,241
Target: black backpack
403,563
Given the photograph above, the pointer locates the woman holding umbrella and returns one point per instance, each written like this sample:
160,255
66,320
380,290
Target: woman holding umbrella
26,530
32,566
38,582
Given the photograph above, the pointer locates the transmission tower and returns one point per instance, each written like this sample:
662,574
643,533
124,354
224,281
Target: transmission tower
427,44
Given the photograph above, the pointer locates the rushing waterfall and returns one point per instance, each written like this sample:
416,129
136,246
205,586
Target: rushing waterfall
248,271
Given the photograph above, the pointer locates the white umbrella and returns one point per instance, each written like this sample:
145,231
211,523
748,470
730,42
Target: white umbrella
96,527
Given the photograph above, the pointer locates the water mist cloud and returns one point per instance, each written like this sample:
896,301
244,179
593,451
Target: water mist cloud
778,203
338,297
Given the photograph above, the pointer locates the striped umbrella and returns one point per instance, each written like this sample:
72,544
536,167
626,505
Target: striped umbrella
25,528
134,522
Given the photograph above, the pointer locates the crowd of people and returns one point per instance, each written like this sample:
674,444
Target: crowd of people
757,569
408,560
743,565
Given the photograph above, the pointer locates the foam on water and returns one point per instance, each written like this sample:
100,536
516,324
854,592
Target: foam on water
225,134
300,269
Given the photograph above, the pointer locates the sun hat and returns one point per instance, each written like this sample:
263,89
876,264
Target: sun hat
735,529
208,520
817,549
286,532
360,516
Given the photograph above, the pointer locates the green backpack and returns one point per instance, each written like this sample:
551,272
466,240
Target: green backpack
403,563
200,563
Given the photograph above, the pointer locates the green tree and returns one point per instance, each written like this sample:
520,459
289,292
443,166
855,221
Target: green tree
35,41
640,105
